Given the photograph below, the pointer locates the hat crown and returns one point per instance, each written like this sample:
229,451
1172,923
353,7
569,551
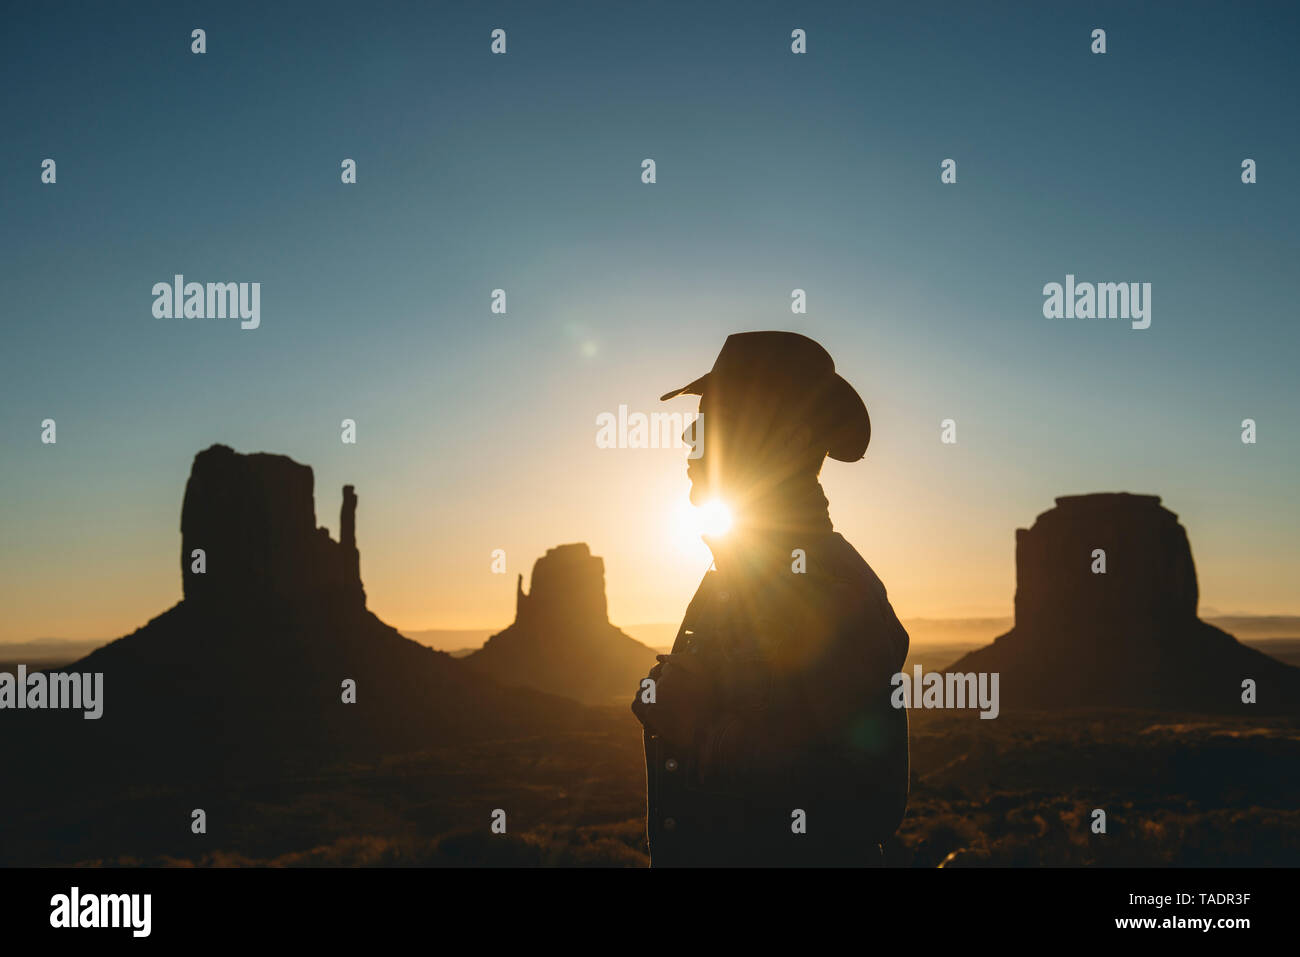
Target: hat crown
787,367
781,355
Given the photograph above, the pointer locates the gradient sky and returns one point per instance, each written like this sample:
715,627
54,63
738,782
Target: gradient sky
477,431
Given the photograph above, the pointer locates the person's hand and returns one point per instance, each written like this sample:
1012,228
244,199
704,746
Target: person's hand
639,705
680,688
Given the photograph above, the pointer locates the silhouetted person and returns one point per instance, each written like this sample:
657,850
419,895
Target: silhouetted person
771,740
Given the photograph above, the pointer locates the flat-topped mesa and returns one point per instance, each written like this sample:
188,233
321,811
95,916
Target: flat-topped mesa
1149,585
1127,636
568,585
254,518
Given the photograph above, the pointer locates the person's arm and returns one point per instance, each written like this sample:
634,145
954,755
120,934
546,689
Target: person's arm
822,679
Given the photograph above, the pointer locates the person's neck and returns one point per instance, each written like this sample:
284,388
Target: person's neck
773,523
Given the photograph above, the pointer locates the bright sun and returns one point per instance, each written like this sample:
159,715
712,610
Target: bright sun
713,519
690,524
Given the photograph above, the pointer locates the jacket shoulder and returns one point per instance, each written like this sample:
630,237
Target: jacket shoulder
848,584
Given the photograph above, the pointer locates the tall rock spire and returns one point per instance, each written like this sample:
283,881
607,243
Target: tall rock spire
348,540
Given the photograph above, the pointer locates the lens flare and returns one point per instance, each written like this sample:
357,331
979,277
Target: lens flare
713,519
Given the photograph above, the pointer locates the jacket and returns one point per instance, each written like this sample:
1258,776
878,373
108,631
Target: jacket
796,756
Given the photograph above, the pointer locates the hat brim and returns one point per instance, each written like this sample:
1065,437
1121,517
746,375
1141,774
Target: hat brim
692,388
850,433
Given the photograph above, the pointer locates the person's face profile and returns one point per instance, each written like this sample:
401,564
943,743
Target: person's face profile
729,449
698,465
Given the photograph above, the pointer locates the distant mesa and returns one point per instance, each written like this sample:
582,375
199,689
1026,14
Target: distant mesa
567,587
254,517
561,640
1129,637
248,668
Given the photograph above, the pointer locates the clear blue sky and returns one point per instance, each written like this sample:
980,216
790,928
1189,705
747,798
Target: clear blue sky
522,171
